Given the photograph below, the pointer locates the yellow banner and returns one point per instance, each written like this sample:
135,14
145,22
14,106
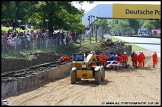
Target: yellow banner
144,11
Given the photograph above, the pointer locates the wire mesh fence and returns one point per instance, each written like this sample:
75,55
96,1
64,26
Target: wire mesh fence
21,46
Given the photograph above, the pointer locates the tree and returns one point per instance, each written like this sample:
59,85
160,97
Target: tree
7,8
135,24
150,24
38,11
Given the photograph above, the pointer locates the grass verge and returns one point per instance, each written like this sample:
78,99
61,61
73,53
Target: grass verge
5,29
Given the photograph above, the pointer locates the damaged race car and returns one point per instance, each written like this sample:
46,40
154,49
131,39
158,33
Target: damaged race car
116,65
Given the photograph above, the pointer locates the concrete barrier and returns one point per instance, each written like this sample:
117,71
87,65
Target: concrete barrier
30,81
40,77
22,84
8,88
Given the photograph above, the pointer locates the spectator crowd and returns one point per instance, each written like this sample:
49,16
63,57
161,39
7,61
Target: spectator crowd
40,39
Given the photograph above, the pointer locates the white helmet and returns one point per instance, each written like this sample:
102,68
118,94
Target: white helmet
124,52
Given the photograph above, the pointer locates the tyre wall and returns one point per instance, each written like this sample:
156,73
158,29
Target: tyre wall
116,50
10,87
13,64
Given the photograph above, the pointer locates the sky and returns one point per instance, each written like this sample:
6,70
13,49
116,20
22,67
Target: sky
87,6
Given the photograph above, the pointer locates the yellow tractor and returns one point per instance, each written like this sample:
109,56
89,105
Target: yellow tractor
83,68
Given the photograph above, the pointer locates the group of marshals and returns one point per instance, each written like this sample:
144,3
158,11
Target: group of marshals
102,59
138,59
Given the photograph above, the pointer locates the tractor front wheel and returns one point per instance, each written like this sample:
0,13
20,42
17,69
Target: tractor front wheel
98,77
73,77
103,75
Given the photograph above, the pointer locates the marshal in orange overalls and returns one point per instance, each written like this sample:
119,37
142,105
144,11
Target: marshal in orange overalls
99,59
104,58
125,59
154,59
140,59
143,59
135,60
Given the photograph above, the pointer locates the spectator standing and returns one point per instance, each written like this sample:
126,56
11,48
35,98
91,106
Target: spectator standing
68,38
34,37
28,40
62,38
14,24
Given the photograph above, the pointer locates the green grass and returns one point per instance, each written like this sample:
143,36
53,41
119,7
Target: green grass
5,29
134,47
87,46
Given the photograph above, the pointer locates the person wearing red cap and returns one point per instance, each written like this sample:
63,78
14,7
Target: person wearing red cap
154,59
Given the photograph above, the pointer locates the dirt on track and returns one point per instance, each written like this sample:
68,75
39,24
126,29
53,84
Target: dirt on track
131,86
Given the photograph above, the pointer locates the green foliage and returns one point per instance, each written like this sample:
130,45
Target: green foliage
63,15
150,24
8,10
36,12
125,26
135,25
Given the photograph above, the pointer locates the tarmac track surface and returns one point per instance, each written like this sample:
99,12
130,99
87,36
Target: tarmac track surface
123,87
